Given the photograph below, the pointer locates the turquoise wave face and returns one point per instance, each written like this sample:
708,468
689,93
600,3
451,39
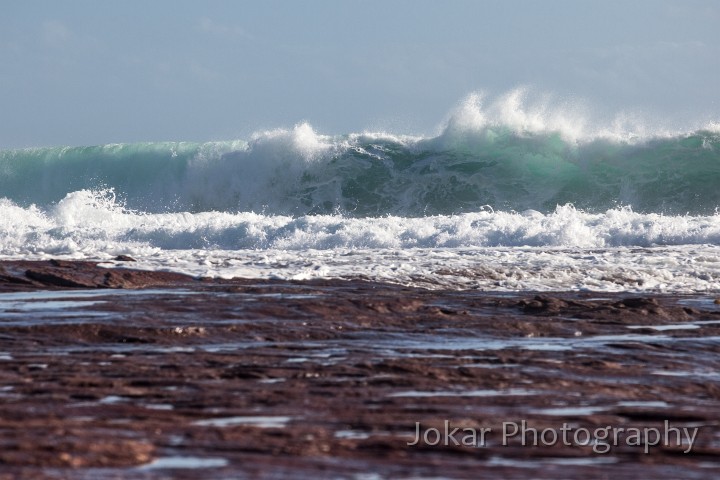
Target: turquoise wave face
298,172
504,171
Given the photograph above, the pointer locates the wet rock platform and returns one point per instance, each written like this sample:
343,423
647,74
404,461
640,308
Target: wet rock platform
121,373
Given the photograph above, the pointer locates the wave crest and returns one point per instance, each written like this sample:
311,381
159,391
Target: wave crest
510,153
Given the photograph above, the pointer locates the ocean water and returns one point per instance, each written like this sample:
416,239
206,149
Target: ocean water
508,195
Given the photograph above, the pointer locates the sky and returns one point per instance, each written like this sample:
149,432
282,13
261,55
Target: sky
88,72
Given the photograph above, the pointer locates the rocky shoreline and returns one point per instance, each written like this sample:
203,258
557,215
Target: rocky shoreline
122,373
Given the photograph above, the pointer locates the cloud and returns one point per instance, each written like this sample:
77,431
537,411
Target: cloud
232,32
55,32
203,72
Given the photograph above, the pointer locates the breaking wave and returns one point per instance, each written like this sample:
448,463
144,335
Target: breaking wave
510,155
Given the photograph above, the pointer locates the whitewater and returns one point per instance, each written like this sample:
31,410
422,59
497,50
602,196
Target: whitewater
510,194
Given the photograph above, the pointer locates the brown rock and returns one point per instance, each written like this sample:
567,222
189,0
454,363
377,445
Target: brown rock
329,378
